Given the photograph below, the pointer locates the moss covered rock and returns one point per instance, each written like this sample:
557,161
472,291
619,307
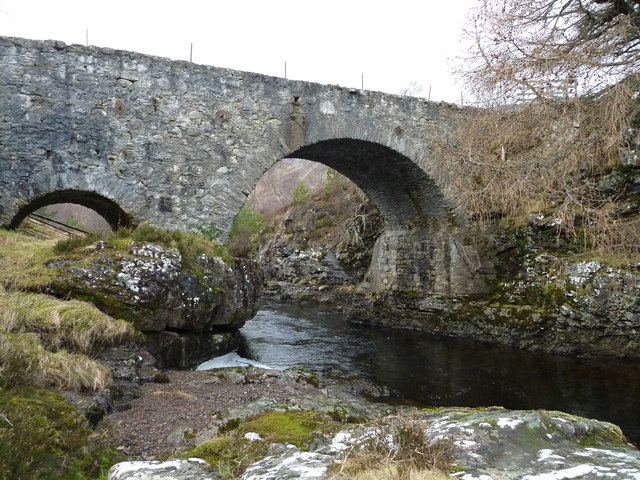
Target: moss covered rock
157,287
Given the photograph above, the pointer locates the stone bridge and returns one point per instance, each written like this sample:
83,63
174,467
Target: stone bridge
181,145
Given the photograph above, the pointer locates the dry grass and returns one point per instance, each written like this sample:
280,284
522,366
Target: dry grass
74,325
177,394
24,360
547,158
23,261
391,471
75,372
400,450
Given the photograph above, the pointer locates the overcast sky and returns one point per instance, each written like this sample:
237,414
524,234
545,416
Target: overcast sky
388,44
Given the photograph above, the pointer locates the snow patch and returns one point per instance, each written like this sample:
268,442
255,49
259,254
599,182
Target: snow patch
512,423
573,472
469,476
253,436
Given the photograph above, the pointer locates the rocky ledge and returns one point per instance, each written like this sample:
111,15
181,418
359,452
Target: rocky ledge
479,443
189,308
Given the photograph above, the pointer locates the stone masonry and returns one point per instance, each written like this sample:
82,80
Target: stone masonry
181,145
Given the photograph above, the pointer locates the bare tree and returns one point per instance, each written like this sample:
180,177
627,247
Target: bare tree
543,48
414,89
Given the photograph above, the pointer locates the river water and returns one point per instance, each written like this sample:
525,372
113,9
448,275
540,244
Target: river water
444,371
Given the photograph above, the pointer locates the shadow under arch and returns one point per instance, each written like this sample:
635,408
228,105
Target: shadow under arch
106,208
405,195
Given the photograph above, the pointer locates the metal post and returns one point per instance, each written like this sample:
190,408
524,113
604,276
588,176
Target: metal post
191,53
429,97
285,69
86,37
362,81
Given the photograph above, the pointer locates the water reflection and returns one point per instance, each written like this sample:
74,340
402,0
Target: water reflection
446,371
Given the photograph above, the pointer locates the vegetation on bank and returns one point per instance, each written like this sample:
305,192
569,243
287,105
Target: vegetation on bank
232,452
49,344
338,215
397,450
42,437
401,451
190,245
567,164
558,134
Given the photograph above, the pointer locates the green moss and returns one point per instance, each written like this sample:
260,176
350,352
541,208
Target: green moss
42,437
602,438
108,304
230,425
591,435
297,428
433,410
409,294
229,455
310,377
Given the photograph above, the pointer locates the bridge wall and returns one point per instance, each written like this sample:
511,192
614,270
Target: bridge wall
181,145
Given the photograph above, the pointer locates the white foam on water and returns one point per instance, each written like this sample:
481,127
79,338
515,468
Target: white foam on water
231,360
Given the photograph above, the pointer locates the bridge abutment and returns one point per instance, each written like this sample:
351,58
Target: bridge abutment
439,259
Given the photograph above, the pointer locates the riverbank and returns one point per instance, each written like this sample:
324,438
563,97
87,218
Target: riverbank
255,409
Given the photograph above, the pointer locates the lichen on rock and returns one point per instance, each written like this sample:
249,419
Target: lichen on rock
183,304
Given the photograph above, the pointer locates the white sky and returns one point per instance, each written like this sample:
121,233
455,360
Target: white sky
392,44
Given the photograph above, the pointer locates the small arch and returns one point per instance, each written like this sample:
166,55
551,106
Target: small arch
405,195
106,208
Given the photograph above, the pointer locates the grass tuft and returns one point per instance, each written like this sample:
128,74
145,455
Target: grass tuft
73,325
70,371
24,361
391,471
23,261
190,245
399,451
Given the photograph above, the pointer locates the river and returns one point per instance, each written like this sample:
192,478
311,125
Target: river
444,371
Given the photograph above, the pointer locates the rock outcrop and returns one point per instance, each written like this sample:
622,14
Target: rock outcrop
189,308
480,443
541,301
190,469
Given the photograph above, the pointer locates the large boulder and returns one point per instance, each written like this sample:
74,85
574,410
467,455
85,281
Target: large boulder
156,289
480,444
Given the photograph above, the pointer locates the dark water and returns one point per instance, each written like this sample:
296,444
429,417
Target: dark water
444,371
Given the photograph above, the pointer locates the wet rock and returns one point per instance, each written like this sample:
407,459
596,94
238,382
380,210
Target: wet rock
490,444
184,350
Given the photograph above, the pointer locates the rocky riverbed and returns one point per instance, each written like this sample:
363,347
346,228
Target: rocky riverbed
486,443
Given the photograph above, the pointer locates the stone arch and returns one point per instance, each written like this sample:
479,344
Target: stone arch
402,191
115,216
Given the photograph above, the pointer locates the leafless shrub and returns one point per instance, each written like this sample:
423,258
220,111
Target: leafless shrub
546,157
